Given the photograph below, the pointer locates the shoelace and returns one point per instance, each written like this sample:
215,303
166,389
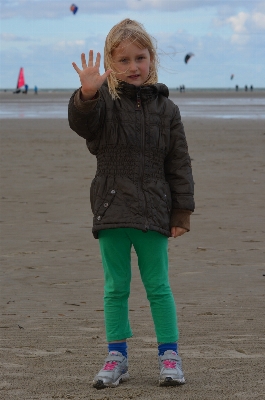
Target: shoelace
110,365
169,364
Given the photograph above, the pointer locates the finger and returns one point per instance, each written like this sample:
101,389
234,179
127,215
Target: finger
176,231
106,74
90,58
83,60
173,232
76,67
97,63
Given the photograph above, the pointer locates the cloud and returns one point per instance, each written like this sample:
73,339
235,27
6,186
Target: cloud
40,9
10,37
170,5
243,25
240,40
244,22
238,22
67,44
258,19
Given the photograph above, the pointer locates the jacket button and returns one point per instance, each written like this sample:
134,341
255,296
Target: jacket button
106,204
99,218
112,191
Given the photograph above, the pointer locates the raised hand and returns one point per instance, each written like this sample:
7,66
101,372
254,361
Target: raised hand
89,76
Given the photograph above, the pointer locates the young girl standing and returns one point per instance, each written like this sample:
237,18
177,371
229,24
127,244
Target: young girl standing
142,192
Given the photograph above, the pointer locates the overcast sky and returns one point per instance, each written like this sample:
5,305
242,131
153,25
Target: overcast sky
227,37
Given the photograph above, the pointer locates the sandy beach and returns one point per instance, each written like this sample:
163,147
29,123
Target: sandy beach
52,328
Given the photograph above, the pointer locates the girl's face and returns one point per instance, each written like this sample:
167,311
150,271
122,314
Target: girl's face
131,63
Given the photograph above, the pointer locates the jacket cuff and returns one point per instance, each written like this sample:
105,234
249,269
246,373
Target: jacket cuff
180,218
84,106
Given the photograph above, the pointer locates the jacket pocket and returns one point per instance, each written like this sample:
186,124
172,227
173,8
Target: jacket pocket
92,195
100,212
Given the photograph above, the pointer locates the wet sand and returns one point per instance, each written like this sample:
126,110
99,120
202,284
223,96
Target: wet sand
52,330
222,104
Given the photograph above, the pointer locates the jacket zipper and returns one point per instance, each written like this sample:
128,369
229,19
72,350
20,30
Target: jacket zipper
139,108
138,101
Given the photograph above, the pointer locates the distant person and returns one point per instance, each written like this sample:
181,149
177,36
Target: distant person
251,88
182,88
142,193
246,88
35,90
236,88
26,89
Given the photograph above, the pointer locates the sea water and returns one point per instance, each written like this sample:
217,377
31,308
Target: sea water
192,104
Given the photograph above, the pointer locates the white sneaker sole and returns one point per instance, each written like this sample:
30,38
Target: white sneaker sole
171,382
99,384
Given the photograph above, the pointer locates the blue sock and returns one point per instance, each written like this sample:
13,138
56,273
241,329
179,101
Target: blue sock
121,347
167,346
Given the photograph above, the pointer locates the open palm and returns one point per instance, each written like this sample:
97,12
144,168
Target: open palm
89,75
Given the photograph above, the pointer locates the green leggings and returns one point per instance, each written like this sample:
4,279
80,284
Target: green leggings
152,252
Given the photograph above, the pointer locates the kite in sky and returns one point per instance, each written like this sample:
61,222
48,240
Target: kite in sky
187,57
73,8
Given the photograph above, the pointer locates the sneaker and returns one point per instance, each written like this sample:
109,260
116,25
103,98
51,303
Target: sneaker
170,369
114,371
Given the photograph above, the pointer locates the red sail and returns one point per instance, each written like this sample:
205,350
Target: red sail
21,79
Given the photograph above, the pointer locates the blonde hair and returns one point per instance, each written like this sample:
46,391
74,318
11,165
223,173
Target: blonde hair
132,31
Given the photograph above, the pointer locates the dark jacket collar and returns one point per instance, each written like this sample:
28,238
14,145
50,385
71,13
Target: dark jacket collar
147,92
